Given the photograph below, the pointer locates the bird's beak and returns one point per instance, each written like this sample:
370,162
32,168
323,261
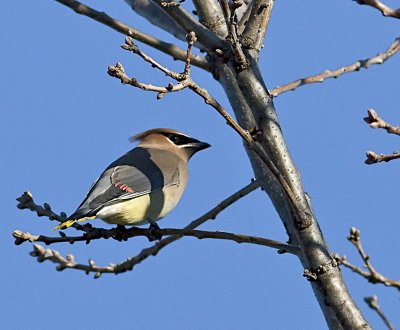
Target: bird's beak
201,145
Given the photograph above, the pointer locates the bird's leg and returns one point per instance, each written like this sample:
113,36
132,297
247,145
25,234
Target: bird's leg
153,236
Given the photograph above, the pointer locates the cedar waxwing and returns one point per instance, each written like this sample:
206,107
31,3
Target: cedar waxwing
143,185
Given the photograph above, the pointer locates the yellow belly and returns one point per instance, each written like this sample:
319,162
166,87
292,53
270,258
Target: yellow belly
138,211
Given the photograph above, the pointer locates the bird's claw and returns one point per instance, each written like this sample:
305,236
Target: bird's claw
153,234
120,233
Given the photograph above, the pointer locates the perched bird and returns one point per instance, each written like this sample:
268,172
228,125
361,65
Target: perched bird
143,185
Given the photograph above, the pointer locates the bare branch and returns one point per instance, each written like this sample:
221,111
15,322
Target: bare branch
230,19
375,121
68,262
161,232
165,47
207,38
372,302
385,10
373,158
256,27
319,78
242,10
244,17
26,202
157,16
371,275
210,15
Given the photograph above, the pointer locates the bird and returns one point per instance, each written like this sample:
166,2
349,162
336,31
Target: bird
143,185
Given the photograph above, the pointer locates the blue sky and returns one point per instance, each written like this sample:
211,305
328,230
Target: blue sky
64,120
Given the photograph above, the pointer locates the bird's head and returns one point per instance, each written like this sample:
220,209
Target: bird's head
170,139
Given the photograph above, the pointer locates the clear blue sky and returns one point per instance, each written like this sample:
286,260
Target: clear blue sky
64,120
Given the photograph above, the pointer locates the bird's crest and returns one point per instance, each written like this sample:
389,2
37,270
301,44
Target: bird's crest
142,135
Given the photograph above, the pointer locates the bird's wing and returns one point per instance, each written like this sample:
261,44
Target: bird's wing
133,175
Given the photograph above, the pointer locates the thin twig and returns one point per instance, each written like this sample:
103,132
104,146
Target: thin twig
385,10
161,232
375,121
371,275
25,201
319,78
165,47
372,302
230,19
374,158
186,81
43,254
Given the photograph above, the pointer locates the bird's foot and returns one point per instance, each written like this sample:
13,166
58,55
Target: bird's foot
153,228
120,233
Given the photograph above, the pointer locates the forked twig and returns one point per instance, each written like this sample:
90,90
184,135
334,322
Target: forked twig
375,121
371,275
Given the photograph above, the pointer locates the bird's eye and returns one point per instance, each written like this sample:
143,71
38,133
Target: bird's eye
174,138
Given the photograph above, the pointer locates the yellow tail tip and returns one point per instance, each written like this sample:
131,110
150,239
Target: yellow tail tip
65,224
69,223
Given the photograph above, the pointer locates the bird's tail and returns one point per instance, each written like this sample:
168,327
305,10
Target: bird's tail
68,223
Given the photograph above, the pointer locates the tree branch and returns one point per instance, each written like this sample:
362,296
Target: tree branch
256,27
157,232
244,18
372,302
385,10
319,78
156,16
254,108
210,15
375,121
209,40
371,275
374,158
69,261
26,202
233,39
167,48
